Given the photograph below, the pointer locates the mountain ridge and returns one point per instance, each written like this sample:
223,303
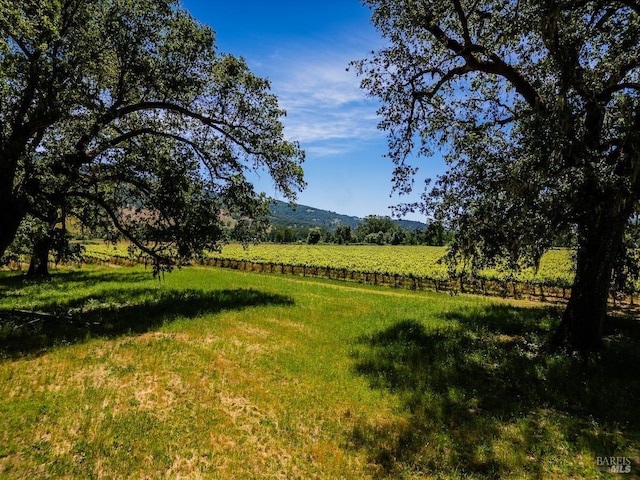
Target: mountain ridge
305,216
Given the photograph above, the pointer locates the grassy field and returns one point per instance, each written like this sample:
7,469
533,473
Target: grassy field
225,374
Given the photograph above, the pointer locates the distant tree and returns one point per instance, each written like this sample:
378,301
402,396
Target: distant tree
381,230
374,224
281,234
36,239
314,237
342,234
377,238
395,236
46,239
124,112
435,234
326,235
536,106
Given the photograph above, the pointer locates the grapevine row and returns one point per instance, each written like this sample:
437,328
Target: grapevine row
415,268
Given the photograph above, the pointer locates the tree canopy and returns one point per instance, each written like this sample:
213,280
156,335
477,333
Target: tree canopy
124,115
380,229
534,104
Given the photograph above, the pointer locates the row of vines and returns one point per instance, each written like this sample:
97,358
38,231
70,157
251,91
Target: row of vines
462,284
420,261
416,268
409,267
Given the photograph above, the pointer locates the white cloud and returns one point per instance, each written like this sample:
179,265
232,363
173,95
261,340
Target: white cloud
327,83
323,100
325,124
325,151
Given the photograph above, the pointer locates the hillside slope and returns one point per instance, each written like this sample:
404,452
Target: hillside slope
283,214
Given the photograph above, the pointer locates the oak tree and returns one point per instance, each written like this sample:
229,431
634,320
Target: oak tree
123,113
535,106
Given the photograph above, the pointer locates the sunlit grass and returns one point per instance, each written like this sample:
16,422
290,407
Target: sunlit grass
223,374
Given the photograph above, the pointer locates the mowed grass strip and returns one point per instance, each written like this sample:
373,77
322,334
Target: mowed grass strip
223,374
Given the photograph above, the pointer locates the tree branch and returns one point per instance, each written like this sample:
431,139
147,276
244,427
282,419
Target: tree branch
495,66
615,79
633,5
23,46
454,72
463,22
206,158
220,126
116,222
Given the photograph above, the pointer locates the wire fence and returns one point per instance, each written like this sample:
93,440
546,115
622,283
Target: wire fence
464,284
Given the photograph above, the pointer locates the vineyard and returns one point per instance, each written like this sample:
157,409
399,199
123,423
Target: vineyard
414,267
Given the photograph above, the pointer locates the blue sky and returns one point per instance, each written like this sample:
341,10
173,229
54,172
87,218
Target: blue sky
304,48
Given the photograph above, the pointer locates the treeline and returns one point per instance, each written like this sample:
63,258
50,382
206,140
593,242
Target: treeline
380,230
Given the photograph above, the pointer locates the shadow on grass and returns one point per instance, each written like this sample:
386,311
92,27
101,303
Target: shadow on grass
115,312
482,397
12,280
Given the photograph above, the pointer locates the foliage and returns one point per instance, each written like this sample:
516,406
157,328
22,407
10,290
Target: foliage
535,106
32,231
374,224
382,230
433,234
315,234
282,234
125,116
626,273
342,234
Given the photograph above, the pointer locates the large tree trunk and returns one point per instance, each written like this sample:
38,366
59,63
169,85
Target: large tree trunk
39,265
13,207
11,215
585,314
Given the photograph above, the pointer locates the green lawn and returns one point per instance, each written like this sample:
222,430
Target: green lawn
224,374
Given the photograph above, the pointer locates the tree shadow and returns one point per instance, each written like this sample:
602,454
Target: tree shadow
483,397
12,280
114,312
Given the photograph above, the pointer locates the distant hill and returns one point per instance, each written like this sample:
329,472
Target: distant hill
303,216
